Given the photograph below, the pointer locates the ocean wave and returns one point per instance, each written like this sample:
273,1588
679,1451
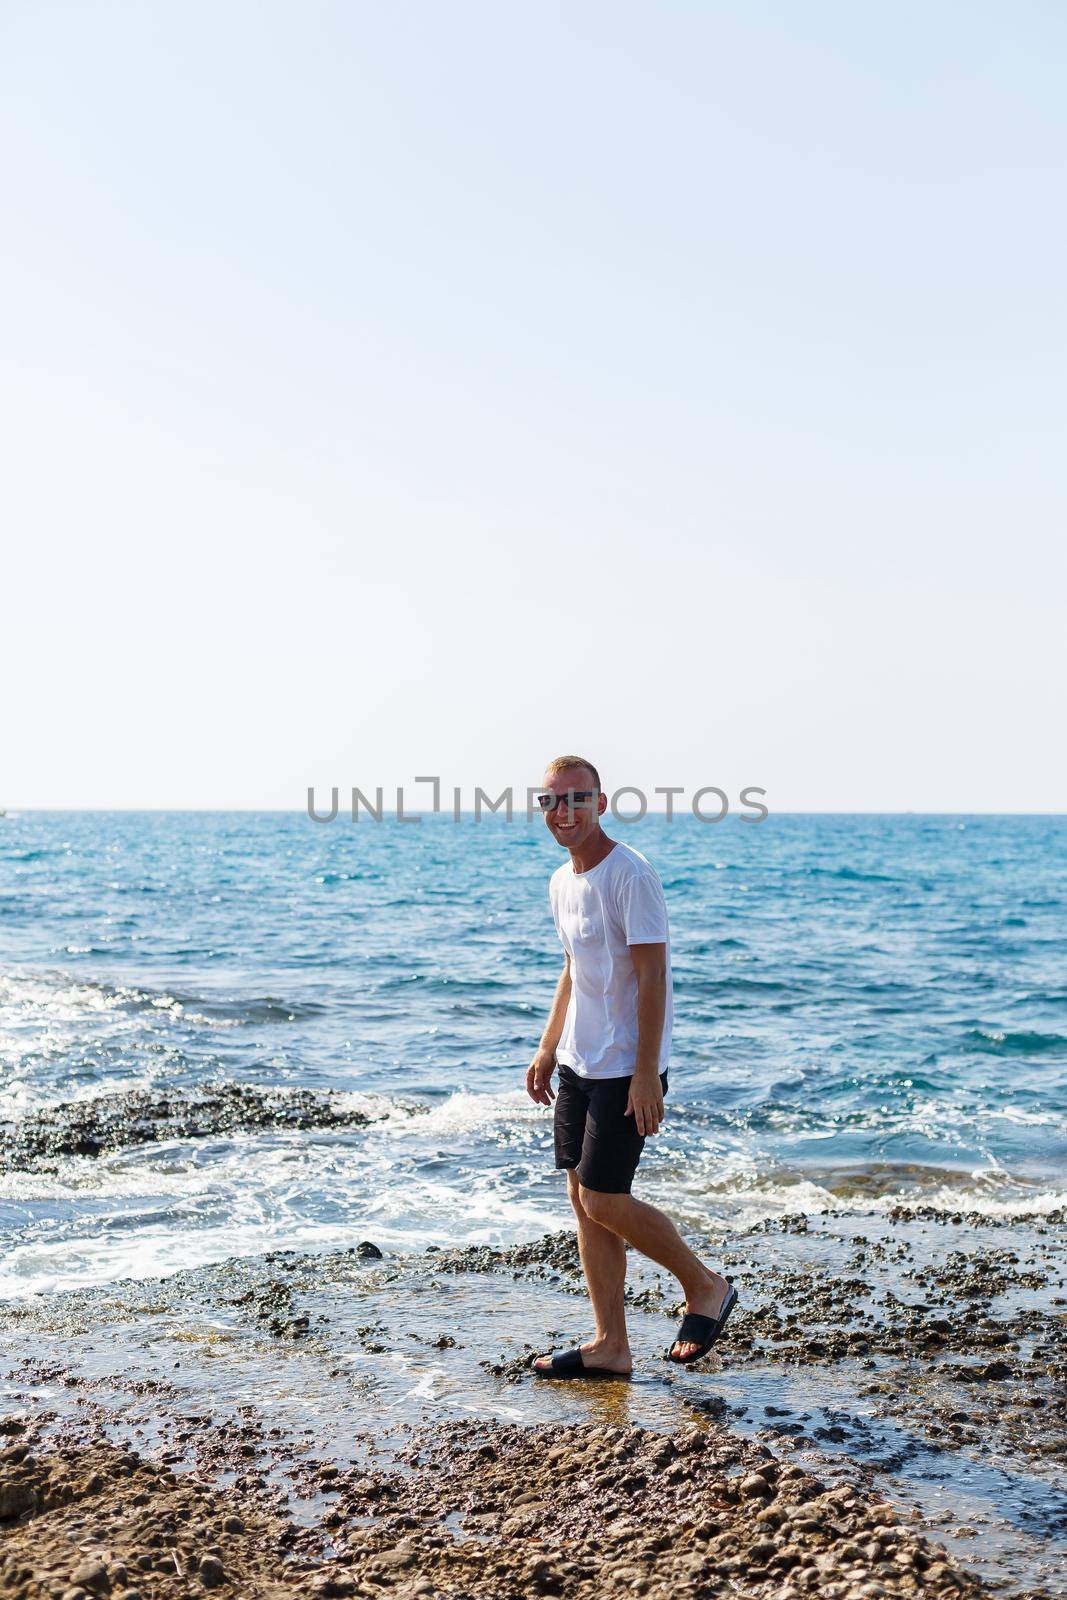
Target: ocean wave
995,1042
39,853
851,875
212,1217
465,1112
744,1195
757,988
232,1010
438,981
58,993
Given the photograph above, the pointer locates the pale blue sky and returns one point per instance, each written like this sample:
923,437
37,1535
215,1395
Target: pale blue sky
393,389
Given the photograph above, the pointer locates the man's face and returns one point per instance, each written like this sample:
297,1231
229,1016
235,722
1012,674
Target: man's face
572,825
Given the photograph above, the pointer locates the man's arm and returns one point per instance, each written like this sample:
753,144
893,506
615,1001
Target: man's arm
539,1072
645,1101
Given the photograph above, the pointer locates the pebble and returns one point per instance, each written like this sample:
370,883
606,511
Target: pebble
210,1571
91,1575
16,1498
400,1557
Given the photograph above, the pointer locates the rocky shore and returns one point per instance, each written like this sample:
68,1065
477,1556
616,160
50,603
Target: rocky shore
888,1416
470,1510
111,1122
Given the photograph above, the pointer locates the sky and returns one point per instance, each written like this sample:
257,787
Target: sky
436,387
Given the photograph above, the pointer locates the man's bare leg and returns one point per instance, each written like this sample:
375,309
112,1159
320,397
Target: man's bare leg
603,1254
654,1234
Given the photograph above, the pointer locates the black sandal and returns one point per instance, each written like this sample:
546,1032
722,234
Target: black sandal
701,1331
571,1365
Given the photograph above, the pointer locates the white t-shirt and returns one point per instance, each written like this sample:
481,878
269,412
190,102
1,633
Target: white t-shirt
598,914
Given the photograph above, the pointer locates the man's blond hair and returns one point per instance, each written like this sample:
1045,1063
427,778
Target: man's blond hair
562,763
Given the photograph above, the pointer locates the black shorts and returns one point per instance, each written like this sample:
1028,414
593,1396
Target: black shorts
593,1132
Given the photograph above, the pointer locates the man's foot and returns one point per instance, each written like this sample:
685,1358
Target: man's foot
707,1303
598,1355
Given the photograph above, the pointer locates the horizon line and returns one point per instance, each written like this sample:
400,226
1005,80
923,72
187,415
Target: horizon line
284,811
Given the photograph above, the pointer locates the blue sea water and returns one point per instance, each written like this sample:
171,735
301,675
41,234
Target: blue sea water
868,1009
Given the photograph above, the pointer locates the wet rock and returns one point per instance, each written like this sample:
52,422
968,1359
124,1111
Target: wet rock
555,1254
141,1116
996,1369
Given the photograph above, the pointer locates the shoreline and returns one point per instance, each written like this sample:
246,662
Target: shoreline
914,1364
478,1512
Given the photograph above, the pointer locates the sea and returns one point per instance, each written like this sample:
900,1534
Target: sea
870,1011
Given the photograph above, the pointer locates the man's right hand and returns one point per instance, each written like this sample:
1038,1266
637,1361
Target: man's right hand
539,1077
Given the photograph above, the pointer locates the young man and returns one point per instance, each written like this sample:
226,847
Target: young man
609,1032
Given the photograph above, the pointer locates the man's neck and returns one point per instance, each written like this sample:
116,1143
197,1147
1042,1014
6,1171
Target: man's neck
592,853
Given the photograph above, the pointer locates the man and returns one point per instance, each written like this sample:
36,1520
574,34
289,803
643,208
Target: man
609,1032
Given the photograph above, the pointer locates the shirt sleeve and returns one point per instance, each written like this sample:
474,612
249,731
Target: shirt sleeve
642,909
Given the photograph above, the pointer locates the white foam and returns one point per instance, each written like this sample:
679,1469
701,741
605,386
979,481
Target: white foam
463,1112
747,1197
153,1253
40,996
22,1097
185,1203
458,1218
954,1201
173,1207
1026,1119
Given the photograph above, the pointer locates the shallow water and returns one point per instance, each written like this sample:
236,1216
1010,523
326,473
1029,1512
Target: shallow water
409,1341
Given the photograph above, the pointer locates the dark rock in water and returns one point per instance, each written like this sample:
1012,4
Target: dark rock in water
553,1255
144,1116
272,1305
996,1369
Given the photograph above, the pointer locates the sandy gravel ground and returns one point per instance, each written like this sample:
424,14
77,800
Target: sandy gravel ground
477,1510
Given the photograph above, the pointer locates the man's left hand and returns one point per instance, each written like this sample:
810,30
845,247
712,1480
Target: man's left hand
645,1102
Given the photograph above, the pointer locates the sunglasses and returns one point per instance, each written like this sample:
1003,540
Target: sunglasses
573,797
